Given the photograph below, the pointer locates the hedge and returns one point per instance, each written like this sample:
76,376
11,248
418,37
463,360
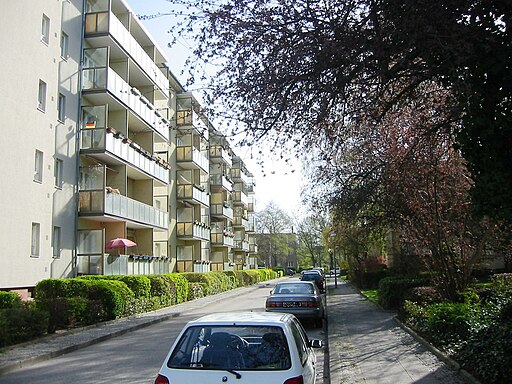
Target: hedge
140,285
9,300
180,285
392,290
22,323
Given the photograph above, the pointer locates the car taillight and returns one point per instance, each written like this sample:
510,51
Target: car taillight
161,380
274,304
311,304
295,380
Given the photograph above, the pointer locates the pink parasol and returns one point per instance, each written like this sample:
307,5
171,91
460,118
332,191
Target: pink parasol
119,243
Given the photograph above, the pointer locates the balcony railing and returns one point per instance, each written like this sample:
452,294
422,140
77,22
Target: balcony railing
103,22
220,239
239,221
100,202
241,245
100,139
191,192
253,248
192,230
238,174
105,78
240,197
221,210
189,118
221,181
190,154
218,152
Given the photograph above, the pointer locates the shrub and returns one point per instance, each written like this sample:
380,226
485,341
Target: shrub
23,323
392,290
234,283
9,300
113,296
502,282
196,290
449,323
180,285
140,285
224,280
488,354
163,290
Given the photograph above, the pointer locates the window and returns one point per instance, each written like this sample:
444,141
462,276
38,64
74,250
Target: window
61,107
36,229
64,41
45,30
56,242
41,96
38,166
59,166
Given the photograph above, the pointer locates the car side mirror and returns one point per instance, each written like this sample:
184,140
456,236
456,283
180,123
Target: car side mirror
315,343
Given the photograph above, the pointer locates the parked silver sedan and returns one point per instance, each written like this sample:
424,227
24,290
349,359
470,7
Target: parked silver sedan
301,298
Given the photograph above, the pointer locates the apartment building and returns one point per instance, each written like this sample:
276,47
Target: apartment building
39,72
103,142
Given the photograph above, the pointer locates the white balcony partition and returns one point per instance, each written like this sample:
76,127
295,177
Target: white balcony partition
192,154
137,53
135,158
132,98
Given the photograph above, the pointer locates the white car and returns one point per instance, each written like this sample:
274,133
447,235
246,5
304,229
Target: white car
241,348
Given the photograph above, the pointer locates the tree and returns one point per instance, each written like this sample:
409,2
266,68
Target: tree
273,241
403,175
309,234
305,70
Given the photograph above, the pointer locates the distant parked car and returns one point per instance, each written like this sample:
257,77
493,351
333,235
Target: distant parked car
242,348
315,276
302,298
336,271
291,271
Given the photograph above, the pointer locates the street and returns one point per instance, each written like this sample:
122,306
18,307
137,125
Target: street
136,357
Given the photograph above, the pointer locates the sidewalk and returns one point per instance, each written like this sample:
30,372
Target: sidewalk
368,345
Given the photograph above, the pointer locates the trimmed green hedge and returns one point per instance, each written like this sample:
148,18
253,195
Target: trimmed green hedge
393,290
22,323
9,300
140,285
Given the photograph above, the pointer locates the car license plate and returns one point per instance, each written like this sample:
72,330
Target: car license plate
288,304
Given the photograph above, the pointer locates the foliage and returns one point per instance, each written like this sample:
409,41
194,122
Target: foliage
305,71
392,290
9,300
139,284
180,285
197,290
22,323
309,233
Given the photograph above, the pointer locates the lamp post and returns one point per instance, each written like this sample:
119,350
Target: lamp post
333,235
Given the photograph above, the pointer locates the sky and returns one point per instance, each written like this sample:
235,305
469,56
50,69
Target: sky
275,181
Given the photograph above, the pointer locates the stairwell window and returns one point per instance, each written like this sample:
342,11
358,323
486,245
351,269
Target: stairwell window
45,29
64,42
56,242
41,96
38,166
61,108
59,165
34,248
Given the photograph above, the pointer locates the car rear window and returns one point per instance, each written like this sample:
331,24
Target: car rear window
231,347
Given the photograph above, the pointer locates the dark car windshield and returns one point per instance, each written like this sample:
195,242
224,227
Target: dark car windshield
294,288
231,347
311,276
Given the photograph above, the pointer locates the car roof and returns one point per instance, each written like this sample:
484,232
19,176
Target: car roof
295,283
242,318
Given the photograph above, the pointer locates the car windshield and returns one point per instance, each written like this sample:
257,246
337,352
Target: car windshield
294,288
311,276
231,347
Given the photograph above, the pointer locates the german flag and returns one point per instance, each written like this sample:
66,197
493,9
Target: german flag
90,124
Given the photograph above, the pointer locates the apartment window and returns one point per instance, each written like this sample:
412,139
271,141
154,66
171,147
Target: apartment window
61,107
64,41
59,166
34,249
38,166
56,242
45,30
41,96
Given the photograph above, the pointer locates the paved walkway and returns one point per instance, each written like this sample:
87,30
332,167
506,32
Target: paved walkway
365,344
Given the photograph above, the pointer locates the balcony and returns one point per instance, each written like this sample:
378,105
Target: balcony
221,210
239,221
99,203
220,239
101,143
189,157
98,24
188,119
192,231
253,248
251,224
241,245
218,153
221,181
192,194
239,175
98,80
240,198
